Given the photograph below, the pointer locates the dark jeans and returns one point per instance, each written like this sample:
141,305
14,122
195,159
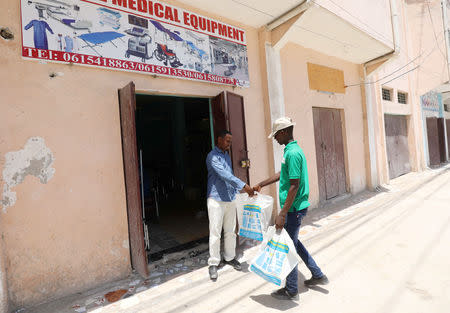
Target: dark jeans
292,226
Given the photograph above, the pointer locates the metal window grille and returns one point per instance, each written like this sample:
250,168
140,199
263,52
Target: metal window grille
402,97
446,108
386,94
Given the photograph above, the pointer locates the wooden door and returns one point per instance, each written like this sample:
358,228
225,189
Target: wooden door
441,138
329,152
228,113
433,141
127,104
447,124
397,145
219,114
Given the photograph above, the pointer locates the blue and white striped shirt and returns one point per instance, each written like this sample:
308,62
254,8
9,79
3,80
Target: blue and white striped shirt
222,184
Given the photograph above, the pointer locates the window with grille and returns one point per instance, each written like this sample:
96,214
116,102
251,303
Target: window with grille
387,94
402,97
446,108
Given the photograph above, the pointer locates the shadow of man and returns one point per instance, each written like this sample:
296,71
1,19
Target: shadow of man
270,302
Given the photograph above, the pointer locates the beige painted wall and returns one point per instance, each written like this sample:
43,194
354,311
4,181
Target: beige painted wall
372,17
71,233
300,100
418,48
433,69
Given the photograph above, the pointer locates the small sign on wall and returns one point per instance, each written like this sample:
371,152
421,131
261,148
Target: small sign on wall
432,101
325,78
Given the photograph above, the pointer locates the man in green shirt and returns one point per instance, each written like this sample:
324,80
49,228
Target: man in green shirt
294,193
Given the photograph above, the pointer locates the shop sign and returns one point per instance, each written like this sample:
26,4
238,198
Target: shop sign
431,101
135,35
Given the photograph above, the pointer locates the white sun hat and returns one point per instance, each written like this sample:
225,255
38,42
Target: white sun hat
279,124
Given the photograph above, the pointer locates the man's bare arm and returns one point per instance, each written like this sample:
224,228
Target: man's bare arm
266,182
293,188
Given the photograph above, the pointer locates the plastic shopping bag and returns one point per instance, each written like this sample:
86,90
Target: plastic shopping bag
253,215
277,257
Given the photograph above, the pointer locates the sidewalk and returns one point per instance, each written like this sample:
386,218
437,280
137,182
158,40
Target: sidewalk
184,285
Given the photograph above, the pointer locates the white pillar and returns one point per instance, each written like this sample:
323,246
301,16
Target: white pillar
374,178
276,96
276,103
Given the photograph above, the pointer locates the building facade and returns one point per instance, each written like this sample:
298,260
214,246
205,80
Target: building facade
91,155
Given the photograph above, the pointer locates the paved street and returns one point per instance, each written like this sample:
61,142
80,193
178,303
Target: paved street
388,253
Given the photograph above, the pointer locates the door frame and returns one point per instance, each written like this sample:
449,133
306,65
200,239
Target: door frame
127,113
321,179
138,254
393,172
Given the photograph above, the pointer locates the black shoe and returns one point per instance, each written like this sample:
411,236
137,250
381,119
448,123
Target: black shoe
317,281
283,294
234,263
213,272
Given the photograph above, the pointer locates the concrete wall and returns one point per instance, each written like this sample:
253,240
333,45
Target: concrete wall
419,67
300,100
420,47
372,17
428,44
67,230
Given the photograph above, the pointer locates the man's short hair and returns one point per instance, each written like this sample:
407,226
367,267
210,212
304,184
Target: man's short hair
222,133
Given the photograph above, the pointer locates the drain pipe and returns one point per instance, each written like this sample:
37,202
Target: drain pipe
368,82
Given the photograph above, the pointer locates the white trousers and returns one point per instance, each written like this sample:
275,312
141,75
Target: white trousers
221,214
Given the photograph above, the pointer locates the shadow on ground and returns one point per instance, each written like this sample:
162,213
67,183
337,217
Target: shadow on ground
270,302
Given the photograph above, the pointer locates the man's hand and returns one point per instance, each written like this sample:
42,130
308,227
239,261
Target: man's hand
257,188
249,190
280,220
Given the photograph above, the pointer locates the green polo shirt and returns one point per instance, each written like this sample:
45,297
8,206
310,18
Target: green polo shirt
293,166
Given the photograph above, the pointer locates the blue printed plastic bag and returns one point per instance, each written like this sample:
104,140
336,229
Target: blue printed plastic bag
277,257
253,215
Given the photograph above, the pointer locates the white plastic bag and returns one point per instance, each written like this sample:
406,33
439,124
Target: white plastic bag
277,257
253,215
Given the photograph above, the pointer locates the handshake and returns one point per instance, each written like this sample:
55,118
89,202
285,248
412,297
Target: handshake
251,190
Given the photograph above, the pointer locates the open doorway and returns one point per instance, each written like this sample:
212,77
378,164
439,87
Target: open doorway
173,139
225,111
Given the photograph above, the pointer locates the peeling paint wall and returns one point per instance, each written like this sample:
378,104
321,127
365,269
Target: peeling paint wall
35,159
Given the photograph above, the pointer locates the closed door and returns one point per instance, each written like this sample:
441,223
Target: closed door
447,122
433,141
329,152
397,145
441,138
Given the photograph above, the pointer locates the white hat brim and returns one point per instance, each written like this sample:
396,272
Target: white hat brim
272,134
